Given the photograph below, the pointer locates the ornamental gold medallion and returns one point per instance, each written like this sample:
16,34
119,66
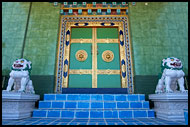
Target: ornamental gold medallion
107,56
81,55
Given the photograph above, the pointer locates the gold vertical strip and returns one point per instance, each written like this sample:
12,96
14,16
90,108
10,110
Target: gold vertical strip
67,53
92,57
122,57
95,58
125,85
64,67
68,58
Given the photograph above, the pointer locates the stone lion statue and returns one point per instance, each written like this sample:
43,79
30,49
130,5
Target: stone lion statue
172,74
20,76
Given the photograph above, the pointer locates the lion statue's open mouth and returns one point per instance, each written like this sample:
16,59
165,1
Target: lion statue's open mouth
18,65
175,64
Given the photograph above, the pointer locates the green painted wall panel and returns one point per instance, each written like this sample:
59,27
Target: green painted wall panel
104,33
158,30
14,18
78,33
42,37
74,63
80,81
115,64
40,44
109,81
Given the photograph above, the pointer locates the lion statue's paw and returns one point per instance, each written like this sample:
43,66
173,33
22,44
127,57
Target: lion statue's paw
184,91
158,91
169,91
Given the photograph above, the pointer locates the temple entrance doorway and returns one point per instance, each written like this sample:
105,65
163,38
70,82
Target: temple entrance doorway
94,58
94,52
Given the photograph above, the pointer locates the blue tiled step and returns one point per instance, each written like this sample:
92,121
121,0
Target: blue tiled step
96,97
94,104
42,113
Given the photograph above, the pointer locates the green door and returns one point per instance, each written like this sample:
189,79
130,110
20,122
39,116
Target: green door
77,68
108,60
94,58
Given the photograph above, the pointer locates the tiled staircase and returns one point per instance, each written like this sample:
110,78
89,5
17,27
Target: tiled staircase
93,106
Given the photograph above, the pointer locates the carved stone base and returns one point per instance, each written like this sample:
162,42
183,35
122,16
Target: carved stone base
170,106
16,105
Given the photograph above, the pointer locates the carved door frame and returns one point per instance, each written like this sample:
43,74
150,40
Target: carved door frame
63,48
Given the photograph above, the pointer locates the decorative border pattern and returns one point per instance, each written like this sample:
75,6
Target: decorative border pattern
84,21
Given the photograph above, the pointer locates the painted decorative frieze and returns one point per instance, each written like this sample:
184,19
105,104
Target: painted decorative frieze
99,8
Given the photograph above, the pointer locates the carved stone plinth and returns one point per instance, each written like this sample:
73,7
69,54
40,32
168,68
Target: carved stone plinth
17,105
170,106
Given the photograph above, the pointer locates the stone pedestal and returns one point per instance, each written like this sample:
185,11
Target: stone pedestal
170,106
17,105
